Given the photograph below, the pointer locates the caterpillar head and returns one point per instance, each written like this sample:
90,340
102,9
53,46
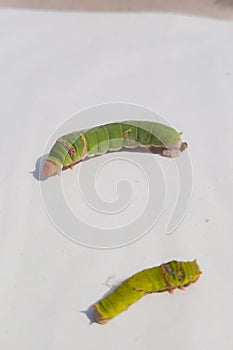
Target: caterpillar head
50,168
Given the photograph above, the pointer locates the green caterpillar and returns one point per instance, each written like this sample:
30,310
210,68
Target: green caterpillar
76,146
166,277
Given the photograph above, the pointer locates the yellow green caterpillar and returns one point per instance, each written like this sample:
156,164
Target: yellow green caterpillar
76,146
166,277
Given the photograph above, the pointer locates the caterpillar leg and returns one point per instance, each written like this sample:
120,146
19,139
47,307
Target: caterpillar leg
171,290
181,287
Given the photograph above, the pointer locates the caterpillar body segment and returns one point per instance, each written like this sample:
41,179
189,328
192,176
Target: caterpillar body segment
166,277
76,146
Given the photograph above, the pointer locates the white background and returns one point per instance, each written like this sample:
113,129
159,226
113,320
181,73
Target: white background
54,64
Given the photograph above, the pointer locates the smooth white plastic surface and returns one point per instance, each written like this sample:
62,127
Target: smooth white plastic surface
53,64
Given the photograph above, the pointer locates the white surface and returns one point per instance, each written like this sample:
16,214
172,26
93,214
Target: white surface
53,64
